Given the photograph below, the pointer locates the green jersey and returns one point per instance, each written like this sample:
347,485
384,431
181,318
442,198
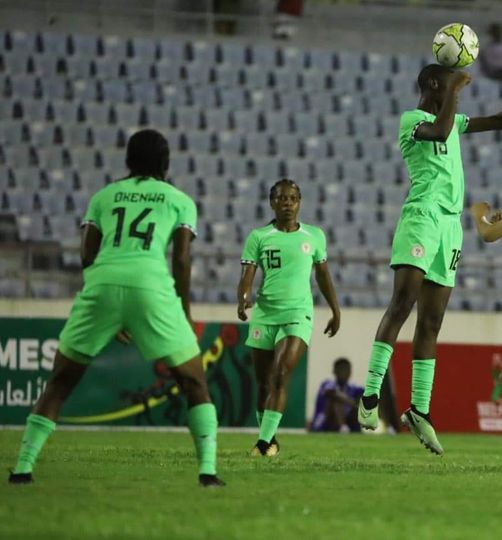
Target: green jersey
286,261
137,219
435,168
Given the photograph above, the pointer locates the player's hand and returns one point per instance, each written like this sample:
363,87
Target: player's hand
480,210
244,304
459,79
333,325
497,216
124,337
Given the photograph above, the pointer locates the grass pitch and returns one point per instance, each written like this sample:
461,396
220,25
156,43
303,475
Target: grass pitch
125,485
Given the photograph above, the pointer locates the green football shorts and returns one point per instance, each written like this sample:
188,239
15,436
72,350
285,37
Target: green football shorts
155,320
266,336
428,239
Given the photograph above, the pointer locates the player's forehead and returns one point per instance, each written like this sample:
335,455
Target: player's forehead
286,190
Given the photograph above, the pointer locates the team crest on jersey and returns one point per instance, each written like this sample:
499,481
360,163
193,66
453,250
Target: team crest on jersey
418,251
306,248
256,333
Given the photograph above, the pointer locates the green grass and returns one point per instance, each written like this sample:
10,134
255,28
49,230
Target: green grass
123,485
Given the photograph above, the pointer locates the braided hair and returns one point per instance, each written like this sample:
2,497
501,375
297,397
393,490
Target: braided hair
284,182
148,154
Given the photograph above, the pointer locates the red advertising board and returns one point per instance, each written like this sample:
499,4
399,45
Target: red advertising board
467,395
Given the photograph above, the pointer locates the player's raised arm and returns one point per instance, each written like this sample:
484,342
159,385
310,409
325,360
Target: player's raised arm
182,266
489,228
439,130
245,290
325,284
484,123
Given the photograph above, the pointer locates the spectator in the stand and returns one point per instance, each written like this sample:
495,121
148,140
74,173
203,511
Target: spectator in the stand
490,54
288,11
337,401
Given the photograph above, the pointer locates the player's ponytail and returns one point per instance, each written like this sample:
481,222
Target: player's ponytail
147,155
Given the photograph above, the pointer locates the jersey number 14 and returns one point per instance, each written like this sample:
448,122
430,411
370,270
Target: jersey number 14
146,236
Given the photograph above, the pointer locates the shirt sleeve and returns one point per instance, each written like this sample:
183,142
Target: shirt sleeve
320,253
93,214
410,122
251,251
462,121
187,215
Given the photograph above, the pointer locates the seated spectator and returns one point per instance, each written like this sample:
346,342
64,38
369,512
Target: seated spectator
287,13
337,401
490,54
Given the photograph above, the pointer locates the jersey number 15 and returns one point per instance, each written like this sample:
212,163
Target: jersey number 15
273,258
146,236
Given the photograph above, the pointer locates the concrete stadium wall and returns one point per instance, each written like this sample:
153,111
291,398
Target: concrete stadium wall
353,340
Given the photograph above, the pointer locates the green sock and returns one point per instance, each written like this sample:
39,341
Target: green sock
379,361
203,423
421,384
38,428
269,424
259,417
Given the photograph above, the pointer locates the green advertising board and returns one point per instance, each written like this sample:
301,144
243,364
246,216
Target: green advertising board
121,389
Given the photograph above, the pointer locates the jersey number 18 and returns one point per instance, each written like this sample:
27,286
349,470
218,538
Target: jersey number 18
146,236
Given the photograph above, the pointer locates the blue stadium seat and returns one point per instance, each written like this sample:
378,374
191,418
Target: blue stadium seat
179,165
267,168
207,165
144,49
255,77
202,96
262,99
232,53
322,60
232,98
51,43
377,63
115,48
364,126
374,149
173,50
167,70
306,123
235,167
187,117
264,56
317,147
284,79
115,91
300,170
229,143
203,53
287,145
258,145
196,73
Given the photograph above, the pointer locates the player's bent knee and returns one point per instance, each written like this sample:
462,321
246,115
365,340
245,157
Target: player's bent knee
195,389
430,324
401,306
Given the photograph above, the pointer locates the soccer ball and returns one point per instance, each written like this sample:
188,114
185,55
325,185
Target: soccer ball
455,45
